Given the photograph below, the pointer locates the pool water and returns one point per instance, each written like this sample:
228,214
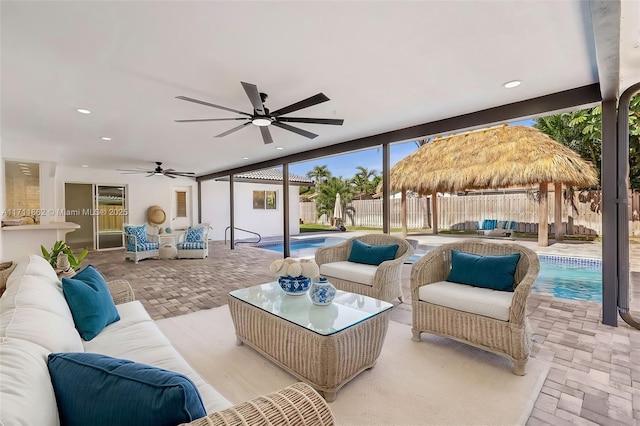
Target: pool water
563,277
570,278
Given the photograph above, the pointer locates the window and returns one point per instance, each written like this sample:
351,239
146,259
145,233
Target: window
264,200
22,190
181,204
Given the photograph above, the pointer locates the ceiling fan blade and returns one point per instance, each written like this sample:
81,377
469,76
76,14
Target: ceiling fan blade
266,135
174,172
169,175
235,129
151,174
334,121
305,103
133,171
185,98
209,119
254,97
294,130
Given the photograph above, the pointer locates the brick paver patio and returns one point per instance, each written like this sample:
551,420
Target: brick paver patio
595,369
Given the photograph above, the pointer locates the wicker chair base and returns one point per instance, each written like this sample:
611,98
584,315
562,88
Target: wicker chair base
325,362
490,334
193,254
140,255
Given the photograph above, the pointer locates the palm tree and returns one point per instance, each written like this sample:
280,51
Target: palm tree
327,195
363,182
320,174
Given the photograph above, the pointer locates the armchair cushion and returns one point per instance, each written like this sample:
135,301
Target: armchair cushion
146,246
349,271
100,390
90,301
190,245
194,235
475,300
494,272
372,255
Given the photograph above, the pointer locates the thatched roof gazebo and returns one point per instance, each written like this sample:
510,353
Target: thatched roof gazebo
495,157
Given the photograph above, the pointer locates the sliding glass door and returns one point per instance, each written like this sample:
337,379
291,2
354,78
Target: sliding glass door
109,215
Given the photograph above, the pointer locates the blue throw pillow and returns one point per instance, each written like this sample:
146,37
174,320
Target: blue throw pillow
372,255
90,302
194,235
94,389
495,272
140,232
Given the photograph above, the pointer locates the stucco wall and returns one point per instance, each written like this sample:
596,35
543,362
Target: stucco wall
268,223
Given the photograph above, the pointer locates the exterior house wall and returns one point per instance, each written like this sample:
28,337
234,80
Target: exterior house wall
268,223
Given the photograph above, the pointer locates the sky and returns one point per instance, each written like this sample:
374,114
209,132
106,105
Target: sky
345,165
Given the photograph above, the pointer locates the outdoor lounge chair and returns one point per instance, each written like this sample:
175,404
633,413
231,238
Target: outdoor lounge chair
194,242
348,272
471,313
139,243
496,228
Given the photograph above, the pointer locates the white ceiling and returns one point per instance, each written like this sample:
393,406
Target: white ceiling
384,65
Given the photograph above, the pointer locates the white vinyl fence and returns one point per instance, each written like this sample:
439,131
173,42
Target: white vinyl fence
464,212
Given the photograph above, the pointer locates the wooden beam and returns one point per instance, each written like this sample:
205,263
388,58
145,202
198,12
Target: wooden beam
543,215
403,213
557,213
434,212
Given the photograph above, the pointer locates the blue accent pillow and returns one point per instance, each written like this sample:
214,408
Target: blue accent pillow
494,272
194,235
98,390
140,232
90,302
372,255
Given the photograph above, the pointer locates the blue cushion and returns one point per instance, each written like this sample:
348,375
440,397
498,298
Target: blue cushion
191,246
94,389
140,232
372,255
495,272
90,302
194,235
146,246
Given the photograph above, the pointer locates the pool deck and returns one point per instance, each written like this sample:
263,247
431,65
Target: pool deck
594,377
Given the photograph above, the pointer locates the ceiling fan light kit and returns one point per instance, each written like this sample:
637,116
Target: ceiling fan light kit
261,116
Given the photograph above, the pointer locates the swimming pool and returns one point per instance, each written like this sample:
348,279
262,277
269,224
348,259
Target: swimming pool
570,278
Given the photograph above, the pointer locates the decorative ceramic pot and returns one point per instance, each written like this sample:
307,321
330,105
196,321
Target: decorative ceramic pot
294,286
322,292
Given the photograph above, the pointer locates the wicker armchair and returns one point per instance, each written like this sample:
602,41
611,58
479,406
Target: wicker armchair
387,276
139,248
191,249
510,338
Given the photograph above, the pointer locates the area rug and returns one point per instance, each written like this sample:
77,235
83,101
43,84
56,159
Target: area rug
433,382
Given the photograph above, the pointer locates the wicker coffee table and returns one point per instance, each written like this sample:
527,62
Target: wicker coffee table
325,346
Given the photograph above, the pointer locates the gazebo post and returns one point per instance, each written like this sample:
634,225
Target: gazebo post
557,212
543,215
434,213
403,212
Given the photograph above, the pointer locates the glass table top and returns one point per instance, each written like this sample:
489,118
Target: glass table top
346,310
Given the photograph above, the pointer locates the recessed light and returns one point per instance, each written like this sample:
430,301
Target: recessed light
245,158
84,165
83,111
104,138
279,147
511,84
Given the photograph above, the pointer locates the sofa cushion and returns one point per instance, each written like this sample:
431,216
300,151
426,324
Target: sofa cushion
99,390
34,309
138,338
33,265
90,302
495,272
372,255
349,271
26,393
475,300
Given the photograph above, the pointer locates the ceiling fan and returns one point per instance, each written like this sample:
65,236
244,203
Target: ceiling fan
263,118
159,171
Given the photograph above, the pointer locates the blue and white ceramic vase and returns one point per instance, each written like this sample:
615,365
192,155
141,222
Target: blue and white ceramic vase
322,292
294,286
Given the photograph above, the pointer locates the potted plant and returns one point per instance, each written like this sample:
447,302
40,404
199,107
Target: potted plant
61,248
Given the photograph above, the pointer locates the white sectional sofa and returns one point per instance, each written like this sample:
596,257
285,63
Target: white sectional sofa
35,321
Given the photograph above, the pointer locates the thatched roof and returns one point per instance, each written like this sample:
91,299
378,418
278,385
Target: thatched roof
496,157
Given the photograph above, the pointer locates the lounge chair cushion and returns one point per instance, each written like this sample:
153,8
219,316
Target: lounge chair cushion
187,245
350,271
144,247
475,300
194,235
494,272
372,255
